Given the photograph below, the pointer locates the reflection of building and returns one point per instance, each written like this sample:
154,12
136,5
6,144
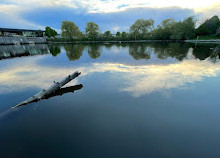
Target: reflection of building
21,36
11,51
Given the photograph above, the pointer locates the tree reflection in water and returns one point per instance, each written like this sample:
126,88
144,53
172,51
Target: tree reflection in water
203,51
94,51
174,50
74,51
54,49
140,51
162,50
178,50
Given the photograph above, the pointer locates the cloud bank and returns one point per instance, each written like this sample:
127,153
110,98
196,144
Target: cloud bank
116,15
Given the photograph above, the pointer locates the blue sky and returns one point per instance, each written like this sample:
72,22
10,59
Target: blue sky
114,15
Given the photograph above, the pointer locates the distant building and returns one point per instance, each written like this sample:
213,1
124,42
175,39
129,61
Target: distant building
21,36
21,32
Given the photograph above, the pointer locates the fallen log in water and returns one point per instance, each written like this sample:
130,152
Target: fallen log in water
63,91
55,87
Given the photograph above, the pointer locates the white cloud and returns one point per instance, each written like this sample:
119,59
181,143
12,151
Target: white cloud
116,28
27,73
156,78
10,17
11,10
41,3
100,6
195,4
15,9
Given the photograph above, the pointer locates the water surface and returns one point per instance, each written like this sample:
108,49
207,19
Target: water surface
131,100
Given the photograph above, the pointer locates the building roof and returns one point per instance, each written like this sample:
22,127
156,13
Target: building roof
19,30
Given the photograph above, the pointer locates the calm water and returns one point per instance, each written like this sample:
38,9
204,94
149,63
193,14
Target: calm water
131,100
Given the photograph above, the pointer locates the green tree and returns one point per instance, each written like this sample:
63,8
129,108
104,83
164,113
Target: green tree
189,28
141,27
177,31
92,30
209,26
118,34
124,35
167,23
183,30
49,32
107,34
70,30
163,31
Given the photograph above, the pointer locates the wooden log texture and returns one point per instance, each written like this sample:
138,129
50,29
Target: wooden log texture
54,87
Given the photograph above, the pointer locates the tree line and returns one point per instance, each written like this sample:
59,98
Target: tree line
142,29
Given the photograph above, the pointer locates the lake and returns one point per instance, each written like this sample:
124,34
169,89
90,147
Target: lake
133,100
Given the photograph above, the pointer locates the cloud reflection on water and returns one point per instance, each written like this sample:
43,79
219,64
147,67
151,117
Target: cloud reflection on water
137,80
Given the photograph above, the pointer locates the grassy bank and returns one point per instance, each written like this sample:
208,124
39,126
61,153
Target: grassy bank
211,37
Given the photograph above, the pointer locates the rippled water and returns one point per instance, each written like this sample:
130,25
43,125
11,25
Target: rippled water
131,100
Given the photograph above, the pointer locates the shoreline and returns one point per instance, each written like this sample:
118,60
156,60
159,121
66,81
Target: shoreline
203,41
214,41
107,42
140,41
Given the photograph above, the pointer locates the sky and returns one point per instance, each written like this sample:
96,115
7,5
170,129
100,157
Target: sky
113,15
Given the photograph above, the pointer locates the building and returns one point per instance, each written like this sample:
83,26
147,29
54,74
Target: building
21,36
6,32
